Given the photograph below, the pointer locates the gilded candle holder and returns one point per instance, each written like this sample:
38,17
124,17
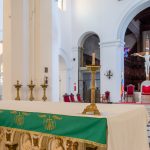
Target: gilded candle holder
31,87
44,86
18,86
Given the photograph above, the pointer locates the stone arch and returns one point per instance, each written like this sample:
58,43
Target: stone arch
88,43
83,39
84,36
132,12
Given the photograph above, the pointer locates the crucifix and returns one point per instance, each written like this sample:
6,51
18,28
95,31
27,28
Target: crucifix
92,108
109,74
146,56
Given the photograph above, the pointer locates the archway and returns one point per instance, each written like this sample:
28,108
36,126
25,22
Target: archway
128,17
130,27
88,44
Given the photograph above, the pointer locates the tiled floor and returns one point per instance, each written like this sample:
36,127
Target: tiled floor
148,126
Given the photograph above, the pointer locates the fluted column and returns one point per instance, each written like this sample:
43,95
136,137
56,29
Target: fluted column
28,47
15,53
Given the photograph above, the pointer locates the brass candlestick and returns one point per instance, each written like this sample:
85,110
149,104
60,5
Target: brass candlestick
44,86
92,108
31,87
18,86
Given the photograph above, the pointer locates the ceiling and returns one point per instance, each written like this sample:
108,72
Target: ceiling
144,18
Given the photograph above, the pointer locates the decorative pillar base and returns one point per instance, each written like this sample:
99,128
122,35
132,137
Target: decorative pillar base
91,110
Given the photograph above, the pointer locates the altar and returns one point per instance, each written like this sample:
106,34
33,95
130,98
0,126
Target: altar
120,127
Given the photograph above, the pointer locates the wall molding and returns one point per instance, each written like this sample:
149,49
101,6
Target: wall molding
116,43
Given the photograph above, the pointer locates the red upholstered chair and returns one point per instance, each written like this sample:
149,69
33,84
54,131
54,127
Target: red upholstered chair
106,97
130,92
145,90
66,98
72,98
79,98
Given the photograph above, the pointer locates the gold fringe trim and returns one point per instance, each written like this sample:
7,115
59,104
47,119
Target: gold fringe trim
64,137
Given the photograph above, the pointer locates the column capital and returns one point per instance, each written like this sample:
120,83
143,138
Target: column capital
116,43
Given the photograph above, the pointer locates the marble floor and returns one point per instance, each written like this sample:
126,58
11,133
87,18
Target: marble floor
148,126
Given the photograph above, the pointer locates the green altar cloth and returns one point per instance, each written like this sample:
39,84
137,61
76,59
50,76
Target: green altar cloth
87,129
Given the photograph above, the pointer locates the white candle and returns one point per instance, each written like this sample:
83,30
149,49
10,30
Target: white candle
93,58
147,43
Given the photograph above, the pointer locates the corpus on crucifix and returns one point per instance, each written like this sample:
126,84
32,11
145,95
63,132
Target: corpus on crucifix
146,56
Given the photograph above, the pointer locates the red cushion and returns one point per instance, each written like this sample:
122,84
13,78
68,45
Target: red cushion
66,98
107,94
79,98
146,90
72,98
130,90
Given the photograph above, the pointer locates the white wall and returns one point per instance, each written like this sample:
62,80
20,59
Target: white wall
62,78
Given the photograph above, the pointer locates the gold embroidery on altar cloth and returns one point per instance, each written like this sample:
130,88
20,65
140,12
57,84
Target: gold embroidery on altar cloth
49,121
1,111
19,117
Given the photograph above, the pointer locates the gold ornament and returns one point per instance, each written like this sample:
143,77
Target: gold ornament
92,108
18,86
44,86
31,87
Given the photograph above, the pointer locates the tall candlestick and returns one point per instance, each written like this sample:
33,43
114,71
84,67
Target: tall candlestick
31,87
93,58
44,86
18,86
147,43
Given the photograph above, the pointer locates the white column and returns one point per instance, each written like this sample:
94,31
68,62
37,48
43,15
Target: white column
28,47
14,54
55,52
41,46
25,51
111,57
1,20
7,42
